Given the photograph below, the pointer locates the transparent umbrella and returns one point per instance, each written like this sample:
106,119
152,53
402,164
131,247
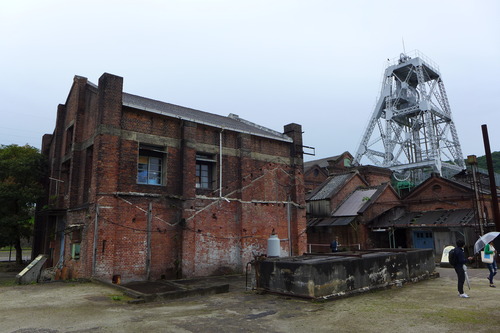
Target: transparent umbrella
467,277
485,239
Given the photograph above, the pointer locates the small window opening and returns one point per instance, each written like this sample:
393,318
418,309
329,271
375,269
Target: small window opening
69,139
150,165
75,251
205,168
436,188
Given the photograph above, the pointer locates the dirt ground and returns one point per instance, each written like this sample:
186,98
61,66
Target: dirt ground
427,306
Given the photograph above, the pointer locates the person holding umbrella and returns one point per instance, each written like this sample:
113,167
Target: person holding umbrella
459,267
490,249
486,242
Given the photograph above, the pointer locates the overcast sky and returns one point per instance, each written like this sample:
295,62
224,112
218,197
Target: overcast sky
318,63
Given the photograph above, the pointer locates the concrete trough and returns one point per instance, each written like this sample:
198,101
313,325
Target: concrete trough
149,291
343,273
168,290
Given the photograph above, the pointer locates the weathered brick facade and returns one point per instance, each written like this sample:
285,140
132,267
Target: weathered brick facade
433,214
324,224
179,226
438,193
317,171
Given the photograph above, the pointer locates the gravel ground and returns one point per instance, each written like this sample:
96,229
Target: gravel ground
427,306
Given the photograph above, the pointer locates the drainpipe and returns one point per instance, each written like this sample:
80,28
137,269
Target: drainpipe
480,217
148,242
220,163
60,263
288,215
94,251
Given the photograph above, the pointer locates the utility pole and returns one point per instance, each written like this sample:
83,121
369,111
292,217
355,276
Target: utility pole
491,176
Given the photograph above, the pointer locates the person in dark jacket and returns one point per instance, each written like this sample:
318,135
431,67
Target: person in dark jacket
334,245
459,267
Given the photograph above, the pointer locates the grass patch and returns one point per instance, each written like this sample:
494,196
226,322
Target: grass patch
120,298
459,316
7,283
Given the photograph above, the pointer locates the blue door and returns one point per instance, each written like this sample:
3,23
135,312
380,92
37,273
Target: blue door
423,240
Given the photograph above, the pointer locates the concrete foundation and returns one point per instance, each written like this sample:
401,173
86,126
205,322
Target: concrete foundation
344,273
32,272
161,290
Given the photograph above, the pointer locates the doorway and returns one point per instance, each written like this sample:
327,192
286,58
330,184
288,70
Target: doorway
423,239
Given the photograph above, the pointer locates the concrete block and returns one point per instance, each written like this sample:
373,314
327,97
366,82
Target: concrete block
326,276
31,273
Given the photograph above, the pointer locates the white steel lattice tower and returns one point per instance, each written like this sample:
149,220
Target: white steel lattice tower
411,130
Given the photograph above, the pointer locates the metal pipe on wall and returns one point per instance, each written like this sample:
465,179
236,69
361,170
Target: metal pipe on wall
148,241
94,250
220,163
288,215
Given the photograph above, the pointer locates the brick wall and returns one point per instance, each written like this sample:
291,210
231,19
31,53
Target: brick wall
437,193
173,230
314,177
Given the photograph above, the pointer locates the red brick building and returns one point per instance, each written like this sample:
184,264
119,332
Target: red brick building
345,204
360,207
144,189
435,214
317,171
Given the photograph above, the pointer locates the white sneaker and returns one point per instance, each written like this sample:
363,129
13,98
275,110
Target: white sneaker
464,295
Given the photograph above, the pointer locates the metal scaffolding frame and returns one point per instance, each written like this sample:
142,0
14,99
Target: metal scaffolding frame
411,130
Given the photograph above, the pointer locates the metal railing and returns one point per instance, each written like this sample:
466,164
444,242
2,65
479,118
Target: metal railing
416,54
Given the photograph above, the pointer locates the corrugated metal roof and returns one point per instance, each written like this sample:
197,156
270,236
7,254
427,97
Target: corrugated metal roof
343,220
329,221
320,221
352,205
333,184
437,218
322,163
232,122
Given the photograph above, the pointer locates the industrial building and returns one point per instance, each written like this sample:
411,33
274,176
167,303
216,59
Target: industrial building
360,206
140,189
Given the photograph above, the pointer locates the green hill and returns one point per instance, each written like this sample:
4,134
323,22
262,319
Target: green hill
495,156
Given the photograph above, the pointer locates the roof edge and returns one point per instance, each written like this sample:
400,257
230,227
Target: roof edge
274,135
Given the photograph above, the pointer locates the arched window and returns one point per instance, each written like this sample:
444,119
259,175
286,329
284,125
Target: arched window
436,188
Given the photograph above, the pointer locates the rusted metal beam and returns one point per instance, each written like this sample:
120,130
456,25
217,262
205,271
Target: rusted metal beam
491,176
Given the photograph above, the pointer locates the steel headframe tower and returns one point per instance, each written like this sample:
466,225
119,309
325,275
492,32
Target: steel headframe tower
411,130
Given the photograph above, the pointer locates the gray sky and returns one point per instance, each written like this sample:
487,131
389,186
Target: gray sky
317,63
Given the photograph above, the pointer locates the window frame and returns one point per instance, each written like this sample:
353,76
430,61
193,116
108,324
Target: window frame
210,162
75,250
69,139
154,168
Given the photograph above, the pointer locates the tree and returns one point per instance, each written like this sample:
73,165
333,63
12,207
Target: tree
495,157
21,172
